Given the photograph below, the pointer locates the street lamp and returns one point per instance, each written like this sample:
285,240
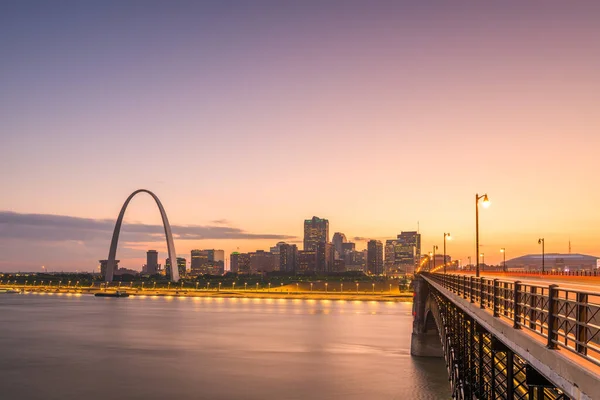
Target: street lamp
219,286
486,204
356,287
434,249
233,286
373,288
541,241
503,251
446,236
482,260
326,287
311,284
430,258
245,285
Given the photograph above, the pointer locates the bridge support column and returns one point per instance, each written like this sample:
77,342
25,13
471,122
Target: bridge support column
425,341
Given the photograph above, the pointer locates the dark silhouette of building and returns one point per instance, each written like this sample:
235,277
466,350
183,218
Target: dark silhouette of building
325,257
288,258
407,252
263,261
239,262
307,261
104,264
181,266
338,241
151,262
375,257
316,230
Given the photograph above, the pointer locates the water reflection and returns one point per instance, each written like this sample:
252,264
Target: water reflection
212,348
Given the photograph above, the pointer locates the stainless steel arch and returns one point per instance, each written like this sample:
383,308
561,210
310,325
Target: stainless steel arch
110,267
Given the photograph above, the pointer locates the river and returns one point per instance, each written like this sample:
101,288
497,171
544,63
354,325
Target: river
82,347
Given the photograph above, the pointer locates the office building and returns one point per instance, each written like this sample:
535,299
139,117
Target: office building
338,241
151,262
288,257
407,251
181,266
316,230
307,261
375,257
239,263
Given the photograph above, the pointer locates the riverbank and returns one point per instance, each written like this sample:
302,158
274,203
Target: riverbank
258,294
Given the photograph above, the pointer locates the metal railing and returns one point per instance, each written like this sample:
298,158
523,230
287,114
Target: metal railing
566,318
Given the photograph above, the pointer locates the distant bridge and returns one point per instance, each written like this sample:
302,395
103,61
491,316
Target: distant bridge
508,339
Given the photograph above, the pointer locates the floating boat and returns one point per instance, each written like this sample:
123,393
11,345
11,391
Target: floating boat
13,291
112,294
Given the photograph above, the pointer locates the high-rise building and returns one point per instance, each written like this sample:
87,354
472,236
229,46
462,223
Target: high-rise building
338,243
325,257
181,266
151,262
375,257
263,261
316,230
288,258
207,262
239,263
307,261
199,262
407,251
390,255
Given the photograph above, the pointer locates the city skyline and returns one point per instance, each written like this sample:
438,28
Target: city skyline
247,120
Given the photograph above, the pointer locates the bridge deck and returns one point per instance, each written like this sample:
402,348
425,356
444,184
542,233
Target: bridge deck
573,360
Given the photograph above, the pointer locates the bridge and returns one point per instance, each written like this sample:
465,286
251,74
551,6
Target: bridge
510,339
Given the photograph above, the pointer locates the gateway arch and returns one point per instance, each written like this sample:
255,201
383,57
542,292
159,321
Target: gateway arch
110,267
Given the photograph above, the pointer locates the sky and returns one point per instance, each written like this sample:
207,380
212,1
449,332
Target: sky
245,118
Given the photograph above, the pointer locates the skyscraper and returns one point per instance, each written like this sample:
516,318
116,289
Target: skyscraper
338,242
408,251
151,262
288,258
325,257
390,255
316,230
375,257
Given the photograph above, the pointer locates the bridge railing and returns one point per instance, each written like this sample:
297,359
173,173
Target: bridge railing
565,318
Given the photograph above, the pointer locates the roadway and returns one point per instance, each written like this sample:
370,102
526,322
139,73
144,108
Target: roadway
580,283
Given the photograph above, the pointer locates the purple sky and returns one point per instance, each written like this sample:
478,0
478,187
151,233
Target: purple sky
257,115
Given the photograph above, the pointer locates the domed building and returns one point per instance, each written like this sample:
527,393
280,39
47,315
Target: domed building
553,262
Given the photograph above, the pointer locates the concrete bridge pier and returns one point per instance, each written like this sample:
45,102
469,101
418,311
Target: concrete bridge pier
425,341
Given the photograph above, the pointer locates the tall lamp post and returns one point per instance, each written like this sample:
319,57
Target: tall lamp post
541,241
482,260
486,203
434,249
503,251
446,235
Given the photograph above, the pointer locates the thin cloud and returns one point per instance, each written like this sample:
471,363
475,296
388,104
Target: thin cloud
47,227
220,222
